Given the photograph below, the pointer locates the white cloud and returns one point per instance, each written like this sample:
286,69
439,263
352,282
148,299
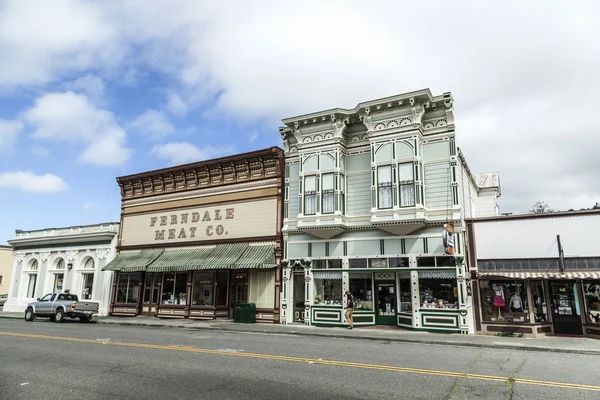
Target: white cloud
89,84
9,130
152,123
252,135
71,117
176,106
27,181
182,153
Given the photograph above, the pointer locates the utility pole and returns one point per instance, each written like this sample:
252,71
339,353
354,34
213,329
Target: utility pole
561,256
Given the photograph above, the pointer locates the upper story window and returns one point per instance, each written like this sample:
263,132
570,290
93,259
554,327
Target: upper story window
310,195
384,187
327,194
406,185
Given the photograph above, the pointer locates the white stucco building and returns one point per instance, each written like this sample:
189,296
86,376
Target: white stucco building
60,259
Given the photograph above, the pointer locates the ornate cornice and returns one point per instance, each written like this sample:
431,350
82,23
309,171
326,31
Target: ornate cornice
102,253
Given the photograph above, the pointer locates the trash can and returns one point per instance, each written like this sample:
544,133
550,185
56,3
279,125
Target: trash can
238,314
251,313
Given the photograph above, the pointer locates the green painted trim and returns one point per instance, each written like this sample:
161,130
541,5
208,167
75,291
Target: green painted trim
403,245
440,313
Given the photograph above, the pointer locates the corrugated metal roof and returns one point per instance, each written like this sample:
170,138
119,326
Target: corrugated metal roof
133,261
536,237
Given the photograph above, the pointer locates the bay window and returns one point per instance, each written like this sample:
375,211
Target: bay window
406,184
327,194
384,187
310,195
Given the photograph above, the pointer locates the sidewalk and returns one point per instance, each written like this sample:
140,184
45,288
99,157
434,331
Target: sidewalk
549,343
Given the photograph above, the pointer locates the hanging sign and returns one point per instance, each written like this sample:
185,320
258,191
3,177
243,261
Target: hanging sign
448,238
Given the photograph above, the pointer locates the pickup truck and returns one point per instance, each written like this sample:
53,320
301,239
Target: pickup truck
58,306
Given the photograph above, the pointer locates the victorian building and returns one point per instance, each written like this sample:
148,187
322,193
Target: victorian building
197,240
375,200
6,265
60,259
536,274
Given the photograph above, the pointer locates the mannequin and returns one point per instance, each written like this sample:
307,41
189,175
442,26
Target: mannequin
515,303
499,298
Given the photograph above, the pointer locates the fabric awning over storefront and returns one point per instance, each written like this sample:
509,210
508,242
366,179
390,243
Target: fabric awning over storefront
222,256
541,274
133,261
437,274
327,274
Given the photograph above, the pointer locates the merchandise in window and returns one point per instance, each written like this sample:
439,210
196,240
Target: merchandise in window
88,285
203,285
540,308
357,263
58,282
591,296
128,288
327,206
328,291
405,296
378,263
384,187
310,195
438,293
406,184
362,290
401,262
504,301
174,288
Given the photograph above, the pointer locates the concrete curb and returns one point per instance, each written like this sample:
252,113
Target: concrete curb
346,336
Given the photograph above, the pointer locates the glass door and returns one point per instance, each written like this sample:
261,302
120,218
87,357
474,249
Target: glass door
150,292
88,285
566,310
299,295
385,303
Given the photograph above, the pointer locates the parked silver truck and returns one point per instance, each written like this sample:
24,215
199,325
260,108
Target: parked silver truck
58,306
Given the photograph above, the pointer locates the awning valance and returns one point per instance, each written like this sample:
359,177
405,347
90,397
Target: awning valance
437,274
540,274
257,257
327,274
180,259
133,261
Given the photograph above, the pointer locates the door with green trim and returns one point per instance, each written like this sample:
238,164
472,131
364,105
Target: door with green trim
385,303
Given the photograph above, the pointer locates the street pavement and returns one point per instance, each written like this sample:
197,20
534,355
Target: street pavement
44,360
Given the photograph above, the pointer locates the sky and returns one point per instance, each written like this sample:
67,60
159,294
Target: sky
92,90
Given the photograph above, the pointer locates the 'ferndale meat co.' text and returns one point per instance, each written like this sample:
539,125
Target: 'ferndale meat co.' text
193,218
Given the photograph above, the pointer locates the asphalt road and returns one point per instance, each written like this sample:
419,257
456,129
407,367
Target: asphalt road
44,360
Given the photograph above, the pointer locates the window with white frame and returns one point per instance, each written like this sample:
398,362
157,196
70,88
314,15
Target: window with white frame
328,194
384,187
31,286
406,184
310,195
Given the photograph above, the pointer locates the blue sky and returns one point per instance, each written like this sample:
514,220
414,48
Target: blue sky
93,90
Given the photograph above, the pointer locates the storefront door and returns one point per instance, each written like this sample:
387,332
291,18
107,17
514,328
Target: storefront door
299,294
150,300
385,303
566,310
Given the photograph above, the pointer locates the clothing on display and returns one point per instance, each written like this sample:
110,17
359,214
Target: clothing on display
499,297
516,304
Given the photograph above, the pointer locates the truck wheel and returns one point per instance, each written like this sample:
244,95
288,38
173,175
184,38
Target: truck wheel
29,315
59,316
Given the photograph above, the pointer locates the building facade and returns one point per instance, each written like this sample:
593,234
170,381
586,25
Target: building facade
536,274
60,259
6,265
375,200
198,239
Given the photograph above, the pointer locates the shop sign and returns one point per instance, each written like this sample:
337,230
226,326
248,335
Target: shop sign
448,238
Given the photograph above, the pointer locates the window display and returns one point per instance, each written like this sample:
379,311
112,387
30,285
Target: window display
361,286
405,303
328,291
438,293
540,308
202,289
507,301
128,288
174,288
591,296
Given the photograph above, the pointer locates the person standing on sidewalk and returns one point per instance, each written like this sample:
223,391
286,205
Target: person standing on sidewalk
349,308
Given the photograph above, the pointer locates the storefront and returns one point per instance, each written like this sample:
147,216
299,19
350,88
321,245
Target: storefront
199,239
537,282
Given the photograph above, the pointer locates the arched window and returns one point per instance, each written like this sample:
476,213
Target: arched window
60,264
89,263
34,265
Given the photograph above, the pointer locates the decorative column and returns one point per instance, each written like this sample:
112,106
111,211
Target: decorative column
465,308
42,272
286,275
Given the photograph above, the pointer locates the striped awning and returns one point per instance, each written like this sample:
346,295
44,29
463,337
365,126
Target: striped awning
180,259
257,257
541,274
223,256
360,275
133,261
327,274
437,274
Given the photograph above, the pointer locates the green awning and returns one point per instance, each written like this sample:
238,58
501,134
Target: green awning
254,257
223,256
180,259
133,261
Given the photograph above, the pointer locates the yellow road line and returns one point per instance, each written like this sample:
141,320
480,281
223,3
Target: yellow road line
464,375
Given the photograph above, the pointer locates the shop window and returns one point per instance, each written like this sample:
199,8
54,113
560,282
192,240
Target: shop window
540,308
406,184
384,187
58,282
88,285
328,291
222,282
361,286
310,195
399,262
405,295
591,296
331,264
357,263
439,261
503,300
438,293
174,288
31,286
327,195
262,288
326,264
203,286
128,288
319,264
378,263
